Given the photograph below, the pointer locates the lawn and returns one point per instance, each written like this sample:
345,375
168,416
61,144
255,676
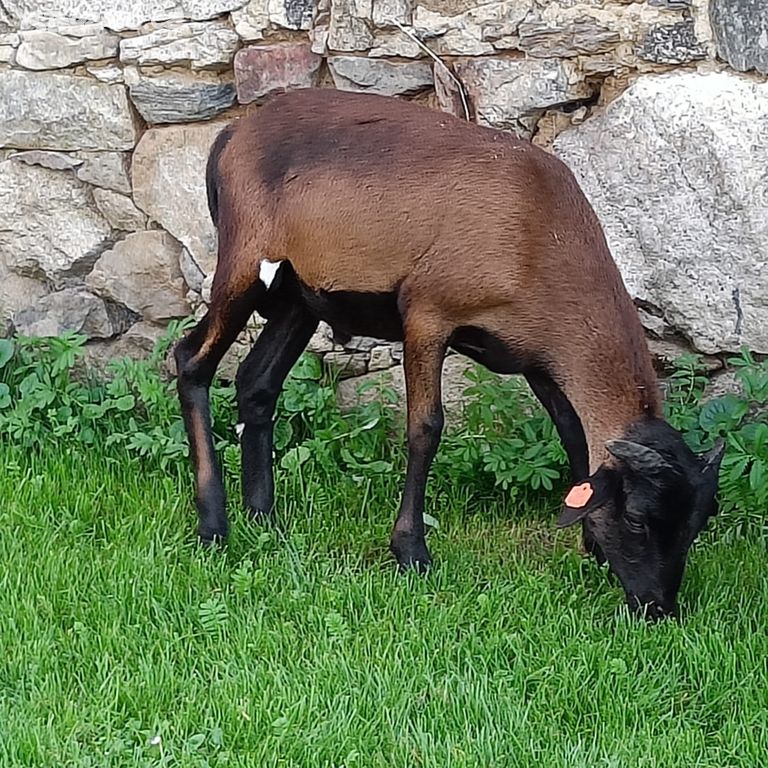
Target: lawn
125,644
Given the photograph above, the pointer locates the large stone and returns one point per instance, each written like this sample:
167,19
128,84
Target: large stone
266,69
513,93
56,111
467,29
137,343
106,73
16,292
725,383
350,25
322,340
572,28
180,97
564,38
553,122
389,13
119,210
666,353
472,28
169,185
455,7
8,45
54,161
741,31
72,309
396,42
140,340
359,344
449,94
380,359
318,33
672,44
291,14
251,20
346,365
671,170
48,225
193,275
113,14
201,45
48,49
142,272
454,381
108,170
357,73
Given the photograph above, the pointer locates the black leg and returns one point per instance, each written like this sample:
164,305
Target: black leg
571,433
423,358
259,381
197,357
567,423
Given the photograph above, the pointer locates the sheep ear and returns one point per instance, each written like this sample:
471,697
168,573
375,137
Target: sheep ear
587,496
639,458
579,502
711,460
571,515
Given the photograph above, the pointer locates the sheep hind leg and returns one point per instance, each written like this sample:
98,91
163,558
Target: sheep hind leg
259,381
424,350
198,355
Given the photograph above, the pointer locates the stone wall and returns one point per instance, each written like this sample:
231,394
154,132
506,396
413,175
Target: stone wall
108,107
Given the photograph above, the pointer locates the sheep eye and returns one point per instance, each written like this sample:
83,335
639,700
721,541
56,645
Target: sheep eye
635,526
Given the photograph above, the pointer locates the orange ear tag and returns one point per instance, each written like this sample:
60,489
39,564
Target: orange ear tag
579,495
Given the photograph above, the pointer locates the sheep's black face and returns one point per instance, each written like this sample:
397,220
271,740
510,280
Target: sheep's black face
644,511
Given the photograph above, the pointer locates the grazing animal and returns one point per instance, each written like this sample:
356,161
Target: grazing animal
391,220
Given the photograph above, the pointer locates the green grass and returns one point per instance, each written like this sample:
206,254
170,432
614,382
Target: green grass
125,644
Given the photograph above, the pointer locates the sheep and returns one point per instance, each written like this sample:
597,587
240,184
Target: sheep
391,220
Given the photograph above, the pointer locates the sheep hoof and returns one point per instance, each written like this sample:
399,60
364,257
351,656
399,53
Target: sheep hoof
260,517
212,532
411,553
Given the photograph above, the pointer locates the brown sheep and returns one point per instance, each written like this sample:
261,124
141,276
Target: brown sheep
391,220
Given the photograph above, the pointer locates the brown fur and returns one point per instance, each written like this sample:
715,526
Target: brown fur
470,226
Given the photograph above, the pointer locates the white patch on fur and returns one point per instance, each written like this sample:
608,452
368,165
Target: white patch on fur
268,270
239,429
